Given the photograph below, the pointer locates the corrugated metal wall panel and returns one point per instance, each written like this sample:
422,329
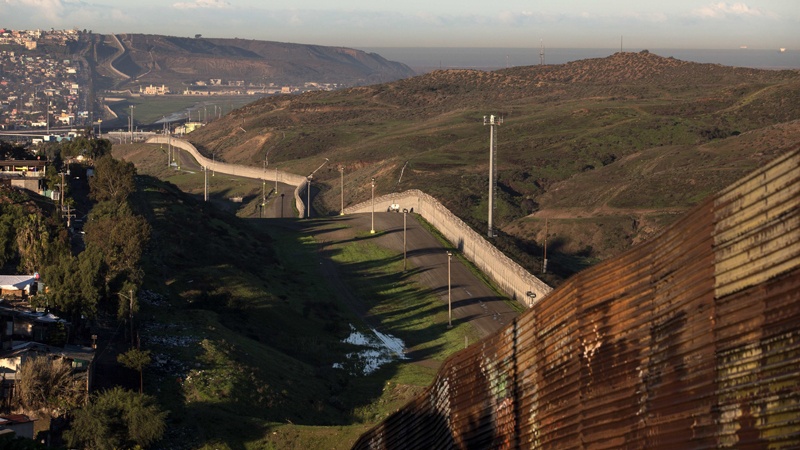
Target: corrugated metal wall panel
691,340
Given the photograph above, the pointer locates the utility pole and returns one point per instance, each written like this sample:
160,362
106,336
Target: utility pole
61,197
544,250
308,201
449,292
205,184
405,266
492,121
130,127
372,230
341,171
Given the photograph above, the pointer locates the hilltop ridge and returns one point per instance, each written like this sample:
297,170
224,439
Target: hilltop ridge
575,122
125,59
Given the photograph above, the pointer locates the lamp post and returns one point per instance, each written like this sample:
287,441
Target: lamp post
372,230
405,213
130,127
341,171
281,206
308,203
449,292
492,121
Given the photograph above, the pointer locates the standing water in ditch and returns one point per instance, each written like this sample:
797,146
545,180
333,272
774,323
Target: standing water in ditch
378,349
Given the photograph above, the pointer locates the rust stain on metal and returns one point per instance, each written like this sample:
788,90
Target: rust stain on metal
691,340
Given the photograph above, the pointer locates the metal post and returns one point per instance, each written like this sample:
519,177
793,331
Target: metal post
341,170
405,213
308,204
492,121
491,176
544,249
130,128
449,294
372,230
281,206
205,183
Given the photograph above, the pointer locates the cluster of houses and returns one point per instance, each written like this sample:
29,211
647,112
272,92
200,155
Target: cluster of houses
26,333
39,92
30,39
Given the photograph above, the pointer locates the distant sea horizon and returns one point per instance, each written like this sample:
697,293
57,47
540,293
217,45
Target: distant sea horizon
426,59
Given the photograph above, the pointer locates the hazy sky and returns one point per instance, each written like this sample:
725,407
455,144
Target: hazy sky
433,23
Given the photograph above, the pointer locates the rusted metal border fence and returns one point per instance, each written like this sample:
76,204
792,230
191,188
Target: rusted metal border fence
691,340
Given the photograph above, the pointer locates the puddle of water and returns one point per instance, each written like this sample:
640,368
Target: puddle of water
379,349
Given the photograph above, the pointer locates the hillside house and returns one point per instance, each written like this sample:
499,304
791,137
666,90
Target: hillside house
18,424
16,286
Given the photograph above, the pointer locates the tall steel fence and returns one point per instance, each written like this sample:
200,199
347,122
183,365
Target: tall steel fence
691,340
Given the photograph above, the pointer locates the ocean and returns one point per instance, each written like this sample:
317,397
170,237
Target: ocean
426,59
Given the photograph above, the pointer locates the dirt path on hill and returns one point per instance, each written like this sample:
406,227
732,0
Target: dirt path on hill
582,213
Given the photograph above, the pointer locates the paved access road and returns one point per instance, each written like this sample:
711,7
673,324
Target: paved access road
472,299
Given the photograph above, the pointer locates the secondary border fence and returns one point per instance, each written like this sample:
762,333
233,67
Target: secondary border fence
300,182
690,340
513,279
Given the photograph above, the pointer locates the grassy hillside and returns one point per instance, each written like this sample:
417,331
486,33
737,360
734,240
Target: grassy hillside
636,135
246,327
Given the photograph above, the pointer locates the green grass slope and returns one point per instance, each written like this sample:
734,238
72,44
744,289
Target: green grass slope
246,327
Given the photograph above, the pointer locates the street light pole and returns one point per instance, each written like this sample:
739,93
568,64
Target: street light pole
308,203
341,170
405,213
372,230
130,128
449,294
492,121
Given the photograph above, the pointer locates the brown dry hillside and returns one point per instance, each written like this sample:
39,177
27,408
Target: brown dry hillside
636,136
178,61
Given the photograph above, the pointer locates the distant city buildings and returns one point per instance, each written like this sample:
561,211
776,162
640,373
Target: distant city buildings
41,91
36,90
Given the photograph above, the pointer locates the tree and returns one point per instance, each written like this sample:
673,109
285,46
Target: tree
32,242
9,216
76,284
137,360
113,180
46,385
117,418
120,238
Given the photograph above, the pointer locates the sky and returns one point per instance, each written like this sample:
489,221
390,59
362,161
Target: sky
676,24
